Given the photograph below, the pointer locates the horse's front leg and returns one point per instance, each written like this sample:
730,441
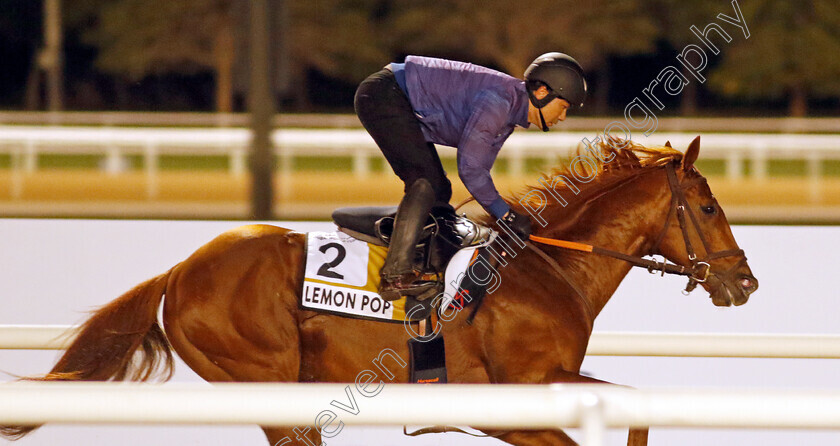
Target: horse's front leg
636,437
533,438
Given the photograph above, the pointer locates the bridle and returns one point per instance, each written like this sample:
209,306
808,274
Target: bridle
679,204
699,270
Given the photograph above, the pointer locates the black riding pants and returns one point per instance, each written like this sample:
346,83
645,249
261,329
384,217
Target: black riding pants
387,115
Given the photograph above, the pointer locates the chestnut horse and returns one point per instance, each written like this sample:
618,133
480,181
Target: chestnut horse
231,309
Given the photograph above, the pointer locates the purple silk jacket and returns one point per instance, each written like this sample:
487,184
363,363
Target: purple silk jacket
472,108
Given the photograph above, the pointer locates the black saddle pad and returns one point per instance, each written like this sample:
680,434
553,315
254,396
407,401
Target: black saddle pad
363,219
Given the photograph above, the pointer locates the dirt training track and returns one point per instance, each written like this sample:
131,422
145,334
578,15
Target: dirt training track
313,194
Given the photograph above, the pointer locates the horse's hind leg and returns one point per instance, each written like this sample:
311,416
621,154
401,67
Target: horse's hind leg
212,371
255,340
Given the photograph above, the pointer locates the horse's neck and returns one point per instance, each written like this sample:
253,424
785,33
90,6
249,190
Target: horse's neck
639,208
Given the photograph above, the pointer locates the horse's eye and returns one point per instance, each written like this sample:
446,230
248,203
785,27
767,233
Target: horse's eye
709,210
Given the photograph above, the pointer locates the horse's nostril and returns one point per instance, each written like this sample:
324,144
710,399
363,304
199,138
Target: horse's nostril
748,283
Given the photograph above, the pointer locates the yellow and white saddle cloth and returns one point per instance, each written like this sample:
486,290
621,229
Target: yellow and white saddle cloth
342,277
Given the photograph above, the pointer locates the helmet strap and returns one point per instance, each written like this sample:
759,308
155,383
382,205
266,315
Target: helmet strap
539,103
542,120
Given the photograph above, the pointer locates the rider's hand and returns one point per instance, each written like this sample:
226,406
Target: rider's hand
519,224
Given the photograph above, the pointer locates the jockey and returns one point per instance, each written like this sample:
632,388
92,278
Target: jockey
408,107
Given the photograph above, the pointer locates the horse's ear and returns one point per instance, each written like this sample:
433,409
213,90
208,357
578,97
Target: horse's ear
668,144
691,154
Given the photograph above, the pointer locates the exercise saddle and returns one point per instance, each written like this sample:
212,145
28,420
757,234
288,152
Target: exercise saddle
443,235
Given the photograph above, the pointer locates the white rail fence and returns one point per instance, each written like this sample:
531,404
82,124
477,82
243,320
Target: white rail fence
26,143
314,120
590,407
57,337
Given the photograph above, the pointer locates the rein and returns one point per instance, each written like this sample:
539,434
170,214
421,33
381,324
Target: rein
699,270
651,265
587,305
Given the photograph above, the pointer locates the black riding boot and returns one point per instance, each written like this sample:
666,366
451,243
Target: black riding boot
399,273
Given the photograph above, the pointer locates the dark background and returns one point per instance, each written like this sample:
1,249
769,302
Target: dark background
782,69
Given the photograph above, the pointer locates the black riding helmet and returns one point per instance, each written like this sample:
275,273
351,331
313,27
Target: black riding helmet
563,77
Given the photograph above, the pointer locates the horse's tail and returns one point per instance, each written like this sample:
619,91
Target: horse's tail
105,345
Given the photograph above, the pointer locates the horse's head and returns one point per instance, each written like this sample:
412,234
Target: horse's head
697,235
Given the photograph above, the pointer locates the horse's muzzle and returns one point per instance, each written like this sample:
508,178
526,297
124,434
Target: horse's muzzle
735,290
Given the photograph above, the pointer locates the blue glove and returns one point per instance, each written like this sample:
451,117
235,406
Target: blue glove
519,224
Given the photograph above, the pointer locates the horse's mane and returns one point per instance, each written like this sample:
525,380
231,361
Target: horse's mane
627,159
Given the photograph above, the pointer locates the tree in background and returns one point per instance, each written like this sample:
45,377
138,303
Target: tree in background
510,34
673,20
137,38
343,39
791,53
21,43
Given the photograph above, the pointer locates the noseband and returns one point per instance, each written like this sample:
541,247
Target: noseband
699,270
